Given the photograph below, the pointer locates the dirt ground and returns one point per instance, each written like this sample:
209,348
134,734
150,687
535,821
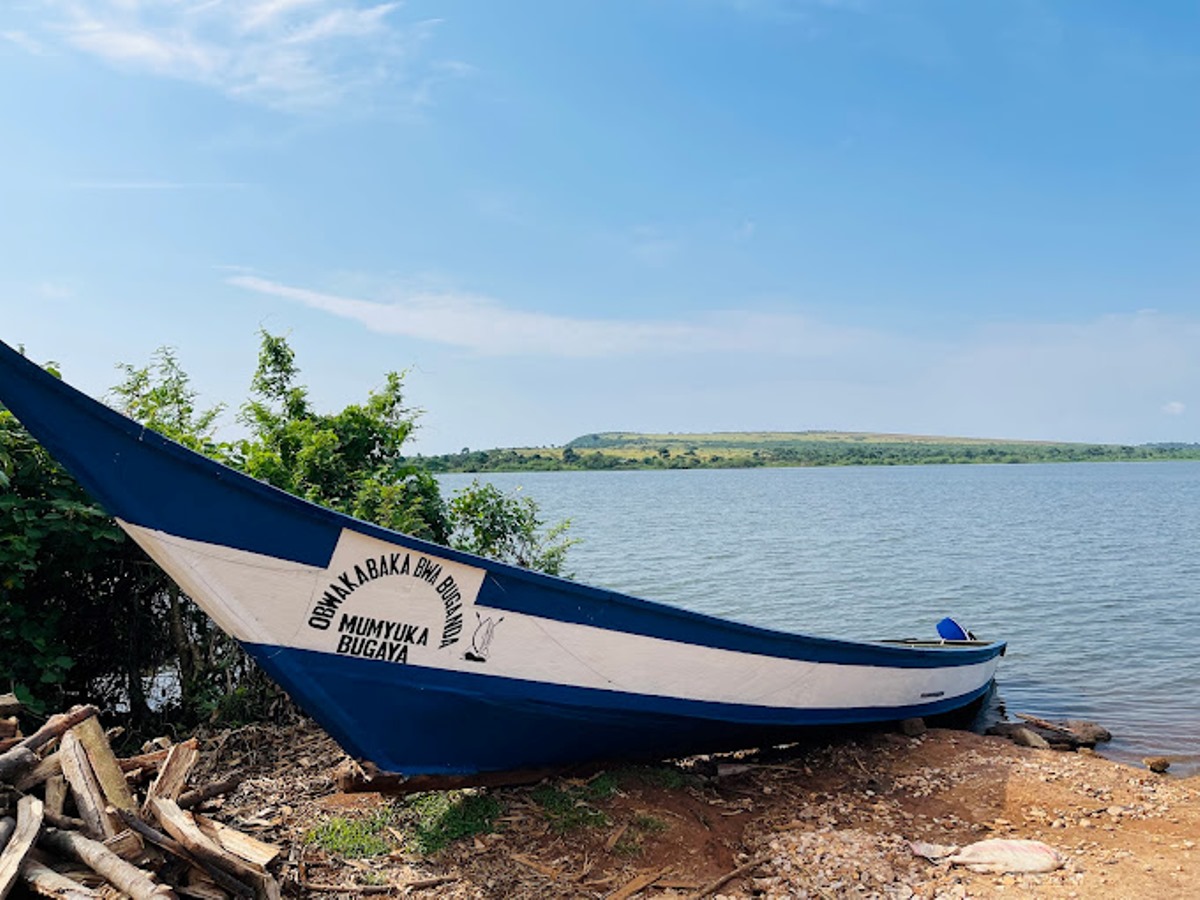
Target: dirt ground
829,820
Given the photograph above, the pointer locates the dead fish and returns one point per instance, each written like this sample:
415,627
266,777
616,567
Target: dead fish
994,855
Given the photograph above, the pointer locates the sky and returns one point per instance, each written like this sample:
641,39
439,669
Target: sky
919,216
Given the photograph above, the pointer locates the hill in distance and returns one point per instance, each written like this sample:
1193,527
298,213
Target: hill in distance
747,449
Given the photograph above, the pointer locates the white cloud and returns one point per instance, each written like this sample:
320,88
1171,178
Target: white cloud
257,16
488,327
1095,380
175,53
24,41
292,54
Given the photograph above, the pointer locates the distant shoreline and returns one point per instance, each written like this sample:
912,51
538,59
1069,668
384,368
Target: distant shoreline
746,450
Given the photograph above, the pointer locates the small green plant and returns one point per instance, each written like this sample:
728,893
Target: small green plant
632,840
648,824
355,838
568,809
603,786
446,816
629,845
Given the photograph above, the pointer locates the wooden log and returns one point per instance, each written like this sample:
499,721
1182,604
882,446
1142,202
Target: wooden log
8,743
133,881
29,826
172,777
368,890
9,705
16,760
713,886
201,890
89,797
21,757
57,725
91,736
188,799
7,827
157,838
127,845
43,770
150,760
45,882
58,820
251,849
9,727
181,826
56,794
640,883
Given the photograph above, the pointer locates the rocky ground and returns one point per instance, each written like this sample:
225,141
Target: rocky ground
829,820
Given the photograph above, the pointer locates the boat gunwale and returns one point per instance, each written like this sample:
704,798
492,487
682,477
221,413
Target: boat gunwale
493,594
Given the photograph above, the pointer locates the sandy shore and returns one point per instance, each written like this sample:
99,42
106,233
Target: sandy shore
826,821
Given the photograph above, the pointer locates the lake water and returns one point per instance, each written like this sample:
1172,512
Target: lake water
1091,571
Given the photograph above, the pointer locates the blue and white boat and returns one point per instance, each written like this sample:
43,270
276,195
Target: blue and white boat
427,661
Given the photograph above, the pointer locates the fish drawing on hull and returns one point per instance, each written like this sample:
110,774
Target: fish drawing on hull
481,640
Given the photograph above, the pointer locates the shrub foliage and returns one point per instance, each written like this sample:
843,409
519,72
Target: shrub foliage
85,615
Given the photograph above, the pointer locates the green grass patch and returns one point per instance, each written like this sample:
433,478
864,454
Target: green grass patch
629,845
602,787
569,809
647,824
445,816
355,838
640,827
665,777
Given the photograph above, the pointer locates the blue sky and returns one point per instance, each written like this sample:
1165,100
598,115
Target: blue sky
971,218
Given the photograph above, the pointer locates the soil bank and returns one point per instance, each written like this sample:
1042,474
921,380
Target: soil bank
833,820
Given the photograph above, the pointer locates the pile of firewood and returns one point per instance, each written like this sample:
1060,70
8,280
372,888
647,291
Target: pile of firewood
76,821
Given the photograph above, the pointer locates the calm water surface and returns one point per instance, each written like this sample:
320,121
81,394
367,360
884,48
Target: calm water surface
1089,571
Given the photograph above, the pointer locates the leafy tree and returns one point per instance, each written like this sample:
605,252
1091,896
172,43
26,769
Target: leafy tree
160,397
84,614
71,599
206,665
486,521
351,461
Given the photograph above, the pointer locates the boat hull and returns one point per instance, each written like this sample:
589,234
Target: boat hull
428,721
428,661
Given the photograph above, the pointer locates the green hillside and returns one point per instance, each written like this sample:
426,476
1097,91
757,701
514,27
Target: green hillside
746,449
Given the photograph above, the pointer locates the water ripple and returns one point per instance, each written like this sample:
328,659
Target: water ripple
1090,571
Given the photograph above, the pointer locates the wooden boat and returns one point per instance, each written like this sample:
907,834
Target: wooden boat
427,661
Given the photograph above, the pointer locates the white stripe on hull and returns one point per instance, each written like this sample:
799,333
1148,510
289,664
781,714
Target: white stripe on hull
376,599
